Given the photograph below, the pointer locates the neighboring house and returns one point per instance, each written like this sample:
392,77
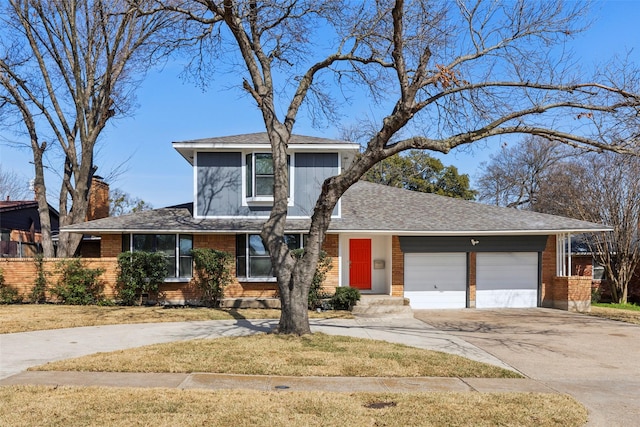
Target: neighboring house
20,231
584,263
21,234
438,252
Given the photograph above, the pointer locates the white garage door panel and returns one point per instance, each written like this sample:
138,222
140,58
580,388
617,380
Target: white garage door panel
507,280
436,280
507,298
436,300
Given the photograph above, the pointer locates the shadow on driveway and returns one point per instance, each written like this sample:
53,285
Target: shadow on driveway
595,360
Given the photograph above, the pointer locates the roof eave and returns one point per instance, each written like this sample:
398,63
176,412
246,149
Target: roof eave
351,231
186,149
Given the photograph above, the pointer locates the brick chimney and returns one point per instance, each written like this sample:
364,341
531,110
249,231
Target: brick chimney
98,199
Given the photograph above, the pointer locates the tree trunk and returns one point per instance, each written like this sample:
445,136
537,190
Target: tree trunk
294,315
48,250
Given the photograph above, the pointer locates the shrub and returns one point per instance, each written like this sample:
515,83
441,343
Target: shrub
78,285
212,270
315,291
8,295
139,273
345,298
38,292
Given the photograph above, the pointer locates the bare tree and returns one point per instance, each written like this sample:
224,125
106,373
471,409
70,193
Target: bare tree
66,69
12,186
607,190
458,71
603,188
514,176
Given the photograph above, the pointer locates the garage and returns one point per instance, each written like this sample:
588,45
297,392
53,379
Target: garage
435,280
507,279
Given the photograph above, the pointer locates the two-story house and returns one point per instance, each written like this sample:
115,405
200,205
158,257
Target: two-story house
438,252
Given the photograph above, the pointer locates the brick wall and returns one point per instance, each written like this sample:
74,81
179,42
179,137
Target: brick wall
20,273
110,245
472,279
547,297
332,279
572,293
397,268
98,203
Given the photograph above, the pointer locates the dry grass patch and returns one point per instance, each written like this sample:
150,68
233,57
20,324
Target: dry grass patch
69,407
629,316
33,317
266,354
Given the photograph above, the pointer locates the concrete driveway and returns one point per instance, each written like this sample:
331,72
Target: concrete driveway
596,361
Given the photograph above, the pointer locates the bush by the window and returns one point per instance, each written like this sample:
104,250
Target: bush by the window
212,273
8,295
315,291
38,292
78,284
345,298
139,273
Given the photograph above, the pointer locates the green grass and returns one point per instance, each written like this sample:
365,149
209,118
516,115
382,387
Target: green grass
627,306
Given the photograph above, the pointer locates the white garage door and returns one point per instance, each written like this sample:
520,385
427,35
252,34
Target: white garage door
436,280
507,280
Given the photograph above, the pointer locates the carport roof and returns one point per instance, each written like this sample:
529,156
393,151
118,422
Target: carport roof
367,208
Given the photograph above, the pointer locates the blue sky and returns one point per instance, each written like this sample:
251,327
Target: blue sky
172,110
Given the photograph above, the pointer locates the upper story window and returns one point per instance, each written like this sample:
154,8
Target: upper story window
259,177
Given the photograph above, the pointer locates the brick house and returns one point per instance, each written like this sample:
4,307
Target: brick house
20,230
436,251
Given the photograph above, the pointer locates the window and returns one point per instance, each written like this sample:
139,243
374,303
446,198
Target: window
252,258
260,177
175,247
598,271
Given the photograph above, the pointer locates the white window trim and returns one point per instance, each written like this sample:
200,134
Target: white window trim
264,200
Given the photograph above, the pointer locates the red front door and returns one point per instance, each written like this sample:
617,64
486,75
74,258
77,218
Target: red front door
360,263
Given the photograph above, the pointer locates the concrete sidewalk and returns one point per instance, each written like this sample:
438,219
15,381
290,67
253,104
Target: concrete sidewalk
275,383
20,351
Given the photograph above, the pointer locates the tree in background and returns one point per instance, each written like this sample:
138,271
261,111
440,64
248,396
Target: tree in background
513,176
13,187
603,188
448,74
66,69
122,203
418,171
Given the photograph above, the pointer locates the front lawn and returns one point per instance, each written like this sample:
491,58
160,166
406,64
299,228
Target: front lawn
268,354
119,407
34,317
629,313
318,354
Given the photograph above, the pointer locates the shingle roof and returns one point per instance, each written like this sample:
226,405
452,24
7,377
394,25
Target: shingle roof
7,205
365,207
16,205
258,140
263,138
